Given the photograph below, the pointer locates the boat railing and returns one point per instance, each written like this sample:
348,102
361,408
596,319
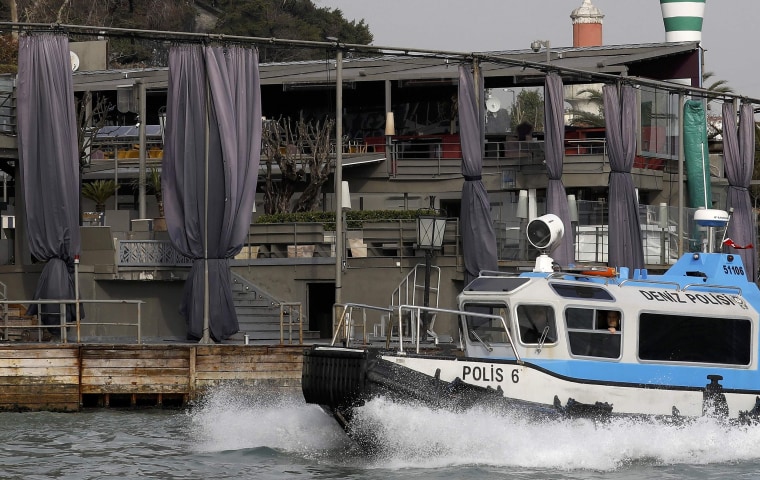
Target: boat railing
497,273
707,285
407,290
650,282
416,316
577,276
345,321
678,286
62,314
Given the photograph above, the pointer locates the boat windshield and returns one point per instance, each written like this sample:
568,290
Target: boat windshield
490,330
537,324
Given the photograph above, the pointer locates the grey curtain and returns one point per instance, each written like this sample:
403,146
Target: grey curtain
229,111
554,136
478,237
739,153
625,247
49,165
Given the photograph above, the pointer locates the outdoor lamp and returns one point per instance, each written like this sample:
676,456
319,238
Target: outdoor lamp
390,127
430,230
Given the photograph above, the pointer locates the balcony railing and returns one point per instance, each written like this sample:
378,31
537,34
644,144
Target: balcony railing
383,239
659,235
397,239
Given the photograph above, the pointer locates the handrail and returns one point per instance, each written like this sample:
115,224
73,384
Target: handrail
577,276
653,282
293,306
345,319
409,283
419,308
68,303
707,285
497,273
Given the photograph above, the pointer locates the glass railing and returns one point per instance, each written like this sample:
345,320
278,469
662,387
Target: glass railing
662,240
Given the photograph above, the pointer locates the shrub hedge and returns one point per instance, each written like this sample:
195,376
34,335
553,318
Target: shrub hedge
354,218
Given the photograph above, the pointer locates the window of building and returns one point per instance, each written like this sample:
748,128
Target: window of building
681,338
659,123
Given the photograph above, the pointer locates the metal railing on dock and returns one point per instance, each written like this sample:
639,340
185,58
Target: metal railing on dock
344,320
62,314
287,311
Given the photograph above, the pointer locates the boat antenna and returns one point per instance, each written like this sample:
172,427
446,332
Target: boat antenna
725,230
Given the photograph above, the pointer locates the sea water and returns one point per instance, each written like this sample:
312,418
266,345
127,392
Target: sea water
234,433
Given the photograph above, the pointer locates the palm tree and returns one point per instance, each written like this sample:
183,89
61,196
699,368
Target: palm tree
587,118
718,86
153,184
714,127
99,191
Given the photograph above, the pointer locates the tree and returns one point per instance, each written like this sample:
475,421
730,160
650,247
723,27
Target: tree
169,15
714,122
90,118
99,191
586,117
528,109
8,54
286,19
153,185
302,153
289,19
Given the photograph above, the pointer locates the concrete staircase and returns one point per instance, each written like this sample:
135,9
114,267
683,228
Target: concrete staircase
258,314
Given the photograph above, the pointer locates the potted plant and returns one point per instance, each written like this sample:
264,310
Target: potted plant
99,191
153,184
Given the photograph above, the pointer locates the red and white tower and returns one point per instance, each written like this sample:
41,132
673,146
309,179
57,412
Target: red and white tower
587,25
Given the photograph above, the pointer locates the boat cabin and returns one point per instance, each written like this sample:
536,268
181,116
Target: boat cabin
701,312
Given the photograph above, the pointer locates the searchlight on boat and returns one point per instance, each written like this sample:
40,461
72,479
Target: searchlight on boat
545,233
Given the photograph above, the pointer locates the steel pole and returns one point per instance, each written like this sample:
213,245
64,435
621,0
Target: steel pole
426,297
339,176
141,135
206,338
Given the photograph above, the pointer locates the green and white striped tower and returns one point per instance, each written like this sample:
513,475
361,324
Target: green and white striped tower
683,19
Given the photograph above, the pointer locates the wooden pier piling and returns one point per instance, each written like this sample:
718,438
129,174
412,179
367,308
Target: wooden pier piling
75,376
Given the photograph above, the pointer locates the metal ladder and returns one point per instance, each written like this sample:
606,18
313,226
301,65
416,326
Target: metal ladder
411,291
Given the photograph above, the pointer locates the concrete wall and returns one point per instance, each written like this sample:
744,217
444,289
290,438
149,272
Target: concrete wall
369,281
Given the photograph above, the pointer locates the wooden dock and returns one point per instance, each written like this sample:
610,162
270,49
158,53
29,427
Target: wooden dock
75,376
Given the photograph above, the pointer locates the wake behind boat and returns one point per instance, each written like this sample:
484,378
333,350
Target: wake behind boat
581,343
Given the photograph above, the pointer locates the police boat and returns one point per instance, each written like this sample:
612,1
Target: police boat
558,344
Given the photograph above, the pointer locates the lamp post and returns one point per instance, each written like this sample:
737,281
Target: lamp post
514,96
390,131
512,111
431,225
339,252
522,214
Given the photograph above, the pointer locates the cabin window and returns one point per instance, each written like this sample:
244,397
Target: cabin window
495,284
536,322
489,330
594,332
581,291
678,338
